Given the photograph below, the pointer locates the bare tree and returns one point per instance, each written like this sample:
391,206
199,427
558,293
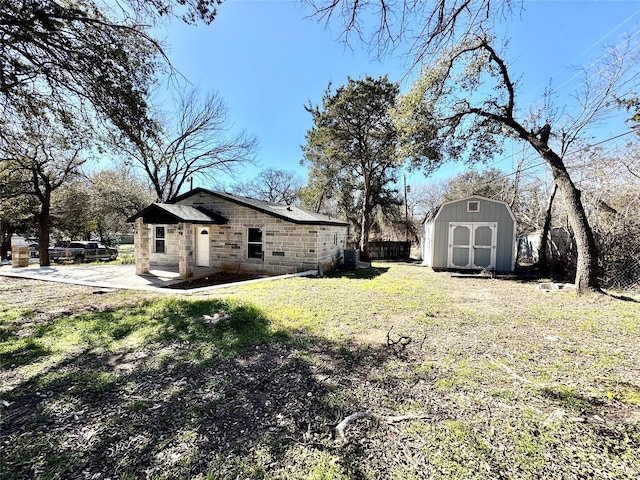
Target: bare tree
544,262
475,127
428,25
193,141
272,185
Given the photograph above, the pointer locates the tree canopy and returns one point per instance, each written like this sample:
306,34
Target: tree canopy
93,54
75,58
352,151
99,204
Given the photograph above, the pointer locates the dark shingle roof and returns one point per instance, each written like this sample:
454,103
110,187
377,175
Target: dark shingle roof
290,213
169,213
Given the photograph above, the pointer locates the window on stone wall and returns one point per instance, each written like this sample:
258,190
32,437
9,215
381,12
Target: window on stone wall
158,240
255,243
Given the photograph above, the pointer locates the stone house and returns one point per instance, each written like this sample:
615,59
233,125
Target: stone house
221,231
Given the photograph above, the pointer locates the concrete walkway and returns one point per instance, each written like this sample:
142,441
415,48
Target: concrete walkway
120,277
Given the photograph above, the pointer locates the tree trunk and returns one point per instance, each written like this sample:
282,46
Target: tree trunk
366,213
587,263
543,258
365,227
6,230
43,218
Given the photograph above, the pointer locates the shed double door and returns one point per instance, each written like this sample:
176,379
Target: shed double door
472,245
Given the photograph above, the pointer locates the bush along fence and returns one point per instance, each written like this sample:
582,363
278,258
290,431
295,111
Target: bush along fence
618,254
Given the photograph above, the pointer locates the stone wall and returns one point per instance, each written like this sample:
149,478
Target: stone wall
330,244
171,255
286,247
185,244
141,246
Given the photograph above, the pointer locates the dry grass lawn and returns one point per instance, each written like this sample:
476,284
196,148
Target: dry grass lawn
458,378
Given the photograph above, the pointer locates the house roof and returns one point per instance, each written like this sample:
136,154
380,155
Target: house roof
170,214
289,213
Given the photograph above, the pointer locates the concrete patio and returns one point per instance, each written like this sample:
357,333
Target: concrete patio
119,276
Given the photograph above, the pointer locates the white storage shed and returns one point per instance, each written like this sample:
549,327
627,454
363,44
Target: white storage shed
472,233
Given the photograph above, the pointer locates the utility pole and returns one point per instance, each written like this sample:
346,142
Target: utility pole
406,209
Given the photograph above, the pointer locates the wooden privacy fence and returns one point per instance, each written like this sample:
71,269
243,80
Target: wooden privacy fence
390,250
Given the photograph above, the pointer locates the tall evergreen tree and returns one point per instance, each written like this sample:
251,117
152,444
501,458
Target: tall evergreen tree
352,152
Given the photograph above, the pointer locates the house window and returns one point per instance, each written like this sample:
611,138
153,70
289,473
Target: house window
473,206
335,239
158,240
255,243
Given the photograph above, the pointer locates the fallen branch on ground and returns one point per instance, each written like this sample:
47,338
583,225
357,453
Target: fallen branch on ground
508,370
403,341
342,426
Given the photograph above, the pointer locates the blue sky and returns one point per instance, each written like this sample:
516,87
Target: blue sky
268,61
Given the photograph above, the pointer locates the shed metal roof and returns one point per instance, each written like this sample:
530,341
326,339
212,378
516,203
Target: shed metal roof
432,215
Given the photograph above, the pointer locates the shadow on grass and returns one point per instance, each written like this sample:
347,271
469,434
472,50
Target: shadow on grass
624,298
211,381
358,274
25,352
568,398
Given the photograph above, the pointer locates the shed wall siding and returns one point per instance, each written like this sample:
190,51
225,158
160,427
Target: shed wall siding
427,244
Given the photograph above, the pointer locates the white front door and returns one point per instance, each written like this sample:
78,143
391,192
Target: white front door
472,245
202,246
